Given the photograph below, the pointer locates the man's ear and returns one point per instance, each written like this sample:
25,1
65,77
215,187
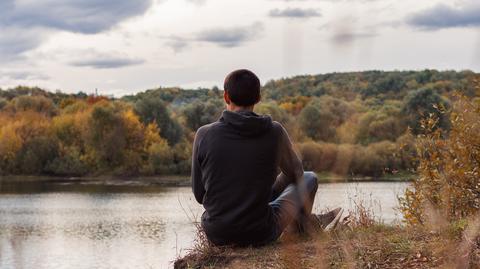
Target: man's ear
226,97
258,99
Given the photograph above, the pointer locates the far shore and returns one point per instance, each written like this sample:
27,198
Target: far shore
177,180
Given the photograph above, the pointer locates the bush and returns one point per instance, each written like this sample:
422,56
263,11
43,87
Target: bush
449,181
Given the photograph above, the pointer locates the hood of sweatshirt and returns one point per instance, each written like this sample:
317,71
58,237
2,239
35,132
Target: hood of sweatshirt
247,123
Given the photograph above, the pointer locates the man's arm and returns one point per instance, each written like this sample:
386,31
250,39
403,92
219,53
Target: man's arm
197,181
290,164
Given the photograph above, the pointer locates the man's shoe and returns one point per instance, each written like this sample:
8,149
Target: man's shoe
332,225
329,220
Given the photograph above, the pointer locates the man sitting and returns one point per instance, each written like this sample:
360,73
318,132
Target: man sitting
235,167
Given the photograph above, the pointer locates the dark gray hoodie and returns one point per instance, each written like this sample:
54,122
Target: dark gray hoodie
234,165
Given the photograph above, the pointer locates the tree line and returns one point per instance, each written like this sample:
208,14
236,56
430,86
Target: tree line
356,124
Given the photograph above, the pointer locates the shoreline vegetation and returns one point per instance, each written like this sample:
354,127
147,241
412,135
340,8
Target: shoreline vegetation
116,184
177,180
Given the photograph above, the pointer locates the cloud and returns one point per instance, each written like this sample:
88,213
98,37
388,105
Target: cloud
14,42
25,24
99,60
443,16
22,75
230,37
294,13
81,16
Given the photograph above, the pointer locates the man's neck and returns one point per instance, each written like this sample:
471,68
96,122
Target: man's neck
235,108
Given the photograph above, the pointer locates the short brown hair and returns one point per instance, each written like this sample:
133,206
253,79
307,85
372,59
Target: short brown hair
243,87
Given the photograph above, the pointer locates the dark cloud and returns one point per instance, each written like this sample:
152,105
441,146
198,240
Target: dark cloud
230,37
82,16
294,13
14,42
443,16
99,60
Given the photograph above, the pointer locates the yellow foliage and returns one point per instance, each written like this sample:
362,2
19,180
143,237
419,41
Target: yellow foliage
449,179
134,131
10,143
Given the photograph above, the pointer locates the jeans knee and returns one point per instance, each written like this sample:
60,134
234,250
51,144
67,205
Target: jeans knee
311,181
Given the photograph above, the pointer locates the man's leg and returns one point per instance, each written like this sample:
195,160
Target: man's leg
292,204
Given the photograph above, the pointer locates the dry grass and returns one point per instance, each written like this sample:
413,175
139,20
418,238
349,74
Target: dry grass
363,243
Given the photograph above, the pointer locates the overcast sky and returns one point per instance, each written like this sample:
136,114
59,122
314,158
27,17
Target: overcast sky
125,46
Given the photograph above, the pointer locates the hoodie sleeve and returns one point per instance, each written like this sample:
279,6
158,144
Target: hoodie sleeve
289,163
197,180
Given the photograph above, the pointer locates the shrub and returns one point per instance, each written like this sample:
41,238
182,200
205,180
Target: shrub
449,180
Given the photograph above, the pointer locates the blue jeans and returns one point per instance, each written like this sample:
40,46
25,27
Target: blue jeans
292,203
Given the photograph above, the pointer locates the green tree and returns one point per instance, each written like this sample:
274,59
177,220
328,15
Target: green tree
155,110
36,154
320,118
425,103
106,135
199,113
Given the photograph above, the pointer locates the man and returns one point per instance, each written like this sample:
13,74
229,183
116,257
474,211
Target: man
235,164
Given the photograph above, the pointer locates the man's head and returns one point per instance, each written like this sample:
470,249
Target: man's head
242,88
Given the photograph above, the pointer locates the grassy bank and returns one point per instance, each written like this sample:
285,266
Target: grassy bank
362,242
374,246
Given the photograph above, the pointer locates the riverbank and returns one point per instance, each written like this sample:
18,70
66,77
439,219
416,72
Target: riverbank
179,180
372,246
98,184
164,181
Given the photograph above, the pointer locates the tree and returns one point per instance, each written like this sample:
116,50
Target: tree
320,118
36,154
155,110
199,113
106,135
38,104
274,111
424,103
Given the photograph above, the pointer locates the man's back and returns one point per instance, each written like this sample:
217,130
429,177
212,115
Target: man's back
237,162
234,166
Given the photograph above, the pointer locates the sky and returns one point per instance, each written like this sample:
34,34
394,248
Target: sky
122,47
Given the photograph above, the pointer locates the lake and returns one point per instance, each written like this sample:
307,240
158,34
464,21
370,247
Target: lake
141,228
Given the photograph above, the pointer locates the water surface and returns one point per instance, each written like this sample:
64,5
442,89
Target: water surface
138,229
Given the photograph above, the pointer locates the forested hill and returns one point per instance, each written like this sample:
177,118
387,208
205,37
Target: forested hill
383,85
358,123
